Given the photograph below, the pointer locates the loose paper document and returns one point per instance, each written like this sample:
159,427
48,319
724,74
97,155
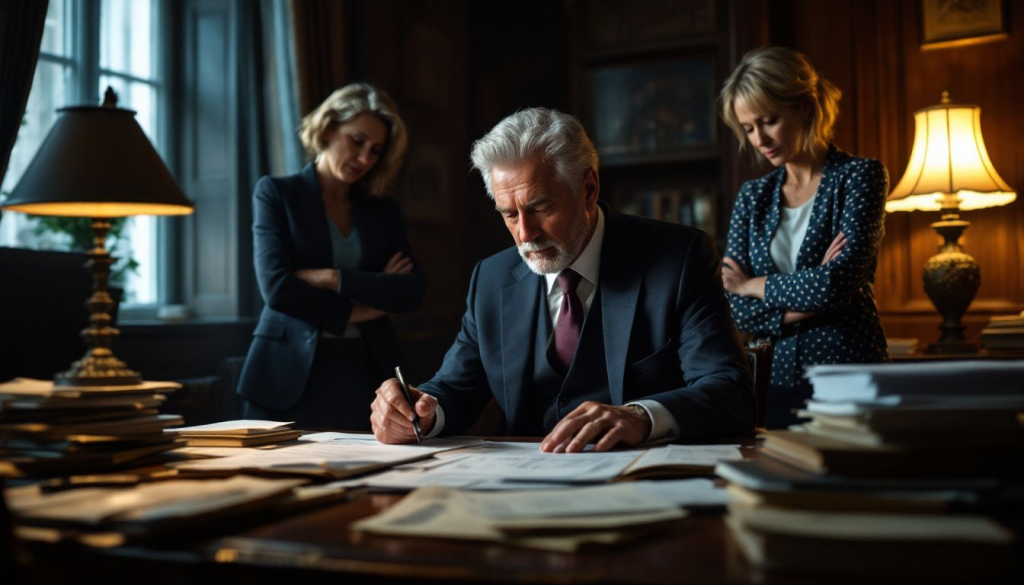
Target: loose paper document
337,454
46,389
682,457
510,465
600,514
233,427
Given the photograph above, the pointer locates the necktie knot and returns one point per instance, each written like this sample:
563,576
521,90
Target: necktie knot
568,279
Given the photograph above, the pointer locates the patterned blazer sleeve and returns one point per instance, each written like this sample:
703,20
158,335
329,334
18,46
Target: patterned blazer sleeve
831,285
751,314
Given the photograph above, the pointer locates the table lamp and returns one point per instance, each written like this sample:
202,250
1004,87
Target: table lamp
96,162
950,171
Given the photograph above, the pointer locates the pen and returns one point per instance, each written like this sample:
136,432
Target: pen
408,398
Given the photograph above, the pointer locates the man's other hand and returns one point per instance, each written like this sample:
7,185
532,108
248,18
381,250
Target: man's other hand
602,424
391,416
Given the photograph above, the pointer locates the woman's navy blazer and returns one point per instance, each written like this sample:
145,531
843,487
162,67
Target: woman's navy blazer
845,327
290,232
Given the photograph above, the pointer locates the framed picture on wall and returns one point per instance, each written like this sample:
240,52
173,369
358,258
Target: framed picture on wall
653,110
951,23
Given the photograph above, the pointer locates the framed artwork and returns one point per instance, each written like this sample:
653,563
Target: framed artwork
955,23
654,110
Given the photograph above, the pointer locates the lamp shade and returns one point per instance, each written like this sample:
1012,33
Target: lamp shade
96,162
949,158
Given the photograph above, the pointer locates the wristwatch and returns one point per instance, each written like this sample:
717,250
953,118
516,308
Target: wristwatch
646,416
640,410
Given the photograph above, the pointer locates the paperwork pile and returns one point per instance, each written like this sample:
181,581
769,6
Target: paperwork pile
236,433
902,462
48,430
106,517
336,455
558,520
505,465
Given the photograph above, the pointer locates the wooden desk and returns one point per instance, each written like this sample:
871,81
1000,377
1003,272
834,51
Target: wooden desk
318,547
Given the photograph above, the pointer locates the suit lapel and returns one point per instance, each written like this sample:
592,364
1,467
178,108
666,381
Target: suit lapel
519,305
620,281
314,242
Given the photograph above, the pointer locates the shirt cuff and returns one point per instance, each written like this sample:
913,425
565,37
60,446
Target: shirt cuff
663,425
438,423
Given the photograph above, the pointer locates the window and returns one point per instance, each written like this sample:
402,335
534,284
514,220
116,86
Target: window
87,46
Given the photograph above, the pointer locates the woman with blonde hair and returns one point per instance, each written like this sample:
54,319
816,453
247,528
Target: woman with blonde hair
799,266
332,261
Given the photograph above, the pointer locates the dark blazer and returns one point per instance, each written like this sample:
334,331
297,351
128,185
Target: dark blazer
667,333
290,232
850,199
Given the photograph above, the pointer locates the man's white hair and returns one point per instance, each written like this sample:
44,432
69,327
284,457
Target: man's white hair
556,137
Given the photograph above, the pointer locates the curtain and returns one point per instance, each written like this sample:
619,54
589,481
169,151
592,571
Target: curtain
268,115
21,32
320,50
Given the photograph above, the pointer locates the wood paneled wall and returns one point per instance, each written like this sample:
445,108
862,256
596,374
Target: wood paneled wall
871,50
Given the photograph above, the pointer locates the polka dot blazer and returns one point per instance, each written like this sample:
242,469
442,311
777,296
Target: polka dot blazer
845,327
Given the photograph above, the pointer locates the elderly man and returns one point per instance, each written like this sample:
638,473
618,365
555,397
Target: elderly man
596,328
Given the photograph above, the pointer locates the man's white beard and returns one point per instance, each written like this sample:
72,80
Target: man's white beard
566,251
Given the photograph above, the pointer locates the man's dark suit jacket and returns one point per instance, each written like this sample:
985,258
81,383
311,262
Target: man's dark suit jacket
290,232
667,331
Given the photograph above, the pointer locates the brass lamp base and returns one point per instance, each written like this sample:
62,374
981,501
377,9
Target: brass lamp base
99,367
951,279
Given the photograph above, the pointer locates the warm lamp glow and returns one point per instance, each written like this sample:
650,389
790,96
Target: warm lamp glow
96,162
70,209
949,158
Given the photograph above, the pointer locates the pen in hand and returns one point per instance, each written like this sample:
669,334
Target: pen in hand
412,403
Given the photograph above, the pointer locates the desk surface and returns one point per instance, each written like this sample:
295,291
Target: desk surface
318,546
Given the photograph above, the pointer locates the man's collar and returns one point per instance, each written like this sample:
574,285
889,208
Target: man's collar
588,264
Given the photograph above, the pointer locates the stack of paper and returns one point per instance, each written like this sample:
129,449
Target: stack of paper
889,452
335,455
236,433
48,430
112,516
1004,332
559,520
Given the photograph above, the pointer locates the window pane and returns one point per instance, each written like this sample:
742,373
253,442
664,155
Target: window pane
128,38
138,239
141,97
50,87
56,31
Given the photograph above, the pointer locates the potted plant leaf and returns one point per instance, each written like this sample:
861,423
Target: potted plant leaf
78,235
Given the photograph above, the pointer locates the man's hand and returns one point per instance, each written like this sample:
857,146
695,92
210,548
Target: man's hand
593,421
391,417
319,277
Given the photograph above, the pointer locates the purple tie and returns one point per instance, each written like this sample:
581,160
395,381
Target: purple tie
570,319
